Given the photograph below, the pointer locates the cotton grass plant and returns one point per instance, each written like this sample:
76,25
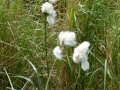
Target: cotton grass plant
24,46
50,14
80,53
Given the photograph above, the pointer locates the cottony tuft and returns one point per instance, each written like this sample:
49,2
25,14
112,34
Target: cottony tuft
67,38
80,55
58,52
48,9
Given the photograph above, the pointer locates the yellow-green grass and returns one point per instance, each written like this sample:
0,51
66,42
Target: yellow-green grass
26,58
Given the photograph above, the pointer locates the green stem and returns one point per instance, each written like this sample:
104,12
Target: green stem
46,88
46,45
9,79
105,68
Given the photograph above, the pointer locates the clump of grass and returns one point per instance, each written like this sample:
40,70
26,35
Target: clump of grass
22,36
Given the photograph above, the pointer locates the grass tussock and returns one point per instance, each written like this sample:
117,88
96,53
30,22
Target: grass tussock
27,42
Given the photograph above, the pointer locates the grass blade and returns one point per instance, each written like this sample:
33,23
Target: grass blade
19,76
9,79
38,78
105,68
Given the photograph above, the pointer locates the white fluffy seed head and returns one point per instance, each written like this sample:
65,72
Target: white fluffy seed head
58,52
53,1
84,47
76,56
51,13
47,8
85,63
50,20
67,38
80,55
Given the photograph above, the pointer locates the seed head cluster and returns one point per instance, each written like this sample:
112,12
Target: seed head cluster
67,38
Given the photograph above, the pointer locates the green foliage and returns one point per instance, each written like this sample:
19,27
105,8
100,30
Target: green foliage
24,46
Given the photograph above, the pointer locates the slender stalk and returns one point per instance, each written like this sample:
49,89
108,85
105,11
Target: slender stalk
105,67
49,75
46,45
9,79
27,81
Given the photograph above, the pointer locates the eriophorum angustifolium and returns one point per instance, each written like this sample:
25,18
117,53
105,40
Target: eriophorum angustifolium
67,38
58,52
53,1
48,9
80,55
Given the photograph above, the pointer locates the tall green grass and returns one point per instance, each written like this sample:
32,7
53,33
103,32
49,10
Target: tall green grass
22,45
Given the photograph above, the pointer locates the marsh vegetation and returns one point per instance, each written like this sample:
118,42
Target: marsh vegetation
27,42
